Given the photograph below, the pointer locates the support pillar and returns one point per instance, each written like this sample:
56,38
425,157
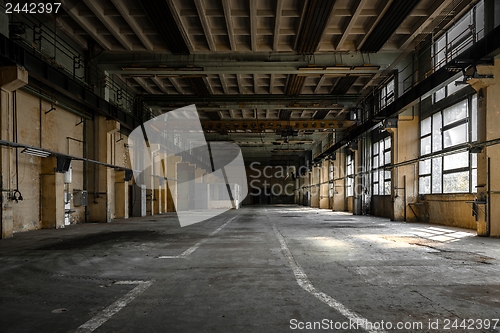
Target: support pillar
404,179
323,188
121,196
52,195
171,165
488,185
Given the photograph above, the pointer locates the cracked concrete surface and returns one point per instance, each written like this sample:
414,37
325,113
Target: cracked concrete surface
240,280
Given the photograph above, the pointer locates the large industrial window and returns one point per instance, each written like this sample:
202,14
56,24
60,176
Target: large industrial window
440,133
381,159
349,183
460,36
331,176
448,90
386,94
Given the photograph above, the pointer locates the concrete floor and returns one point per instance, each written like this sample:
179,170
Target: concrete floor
257,269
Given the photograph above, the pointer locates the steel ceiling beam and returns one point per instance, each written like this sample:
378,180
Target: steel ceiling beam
249,100
133,23
202,14
277,23
384,7
111,25
262,125
114,61
89,27
229,24
352,20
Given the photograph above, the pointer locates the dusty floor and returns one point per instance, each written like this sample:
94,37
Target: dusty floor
259,269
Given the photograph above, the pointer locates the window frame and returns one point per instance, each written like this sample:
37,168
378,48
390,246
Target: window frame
436,157
382,186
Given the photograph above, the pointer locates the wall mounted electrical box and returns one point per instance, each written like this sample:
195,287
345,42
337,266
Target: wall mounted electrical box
80,198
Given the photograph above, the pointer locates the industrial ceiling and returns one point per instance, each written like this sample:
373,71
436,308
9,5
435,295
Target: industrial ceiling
255,67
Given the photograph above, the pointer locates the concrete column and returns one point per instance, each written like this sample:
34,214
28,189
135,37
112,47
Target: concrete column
405,178
156,199
358,180
11,79
52,195
172,182
315,176
121,195
488,161
323,189
7,216
339,200
199,173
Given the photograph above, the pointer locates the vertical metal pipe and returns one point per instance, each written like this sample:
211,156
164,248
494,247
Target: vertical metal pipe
86,165
488,217
404,198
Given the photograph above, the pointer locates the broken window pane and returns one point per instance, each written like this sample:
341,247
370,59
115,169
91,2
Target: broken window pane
436,132
387,187
425,146
437,172
424,185
424,167
474,118
456,182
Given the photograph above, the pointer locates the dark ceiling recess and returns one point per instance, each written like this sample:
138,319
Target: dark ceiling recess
213,115
162,19
285,114
198,86
295,84
316,18
321,114
343,85
395,15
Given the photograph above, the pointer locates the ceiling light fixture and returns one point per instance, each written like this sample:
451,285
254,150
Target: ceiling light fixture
35,152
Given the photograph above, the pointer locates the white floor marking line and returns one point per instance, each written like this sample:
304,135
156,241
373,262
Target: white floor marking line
306,284
193,248
103,316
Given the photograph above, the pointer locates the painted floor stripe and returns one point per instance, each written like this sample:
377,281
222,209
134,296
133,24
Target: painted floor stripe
193,248
306,284
114,308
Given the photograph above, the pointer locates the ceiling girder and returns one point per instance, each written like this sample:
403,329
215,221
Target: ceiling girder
395,15
144,63
247,101
161,17
259,126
